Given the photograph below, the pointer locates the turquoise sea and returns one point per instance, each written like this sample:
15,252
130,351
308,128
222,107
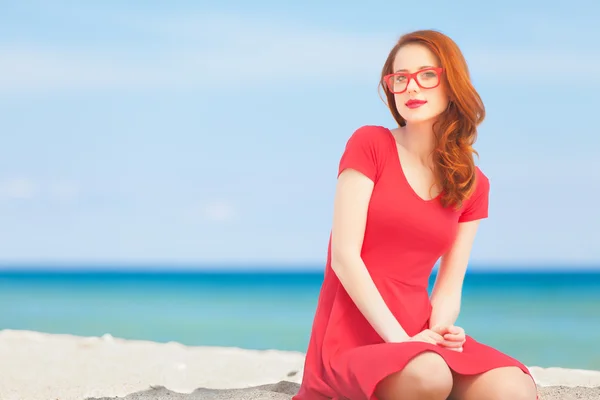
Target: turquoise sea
543,318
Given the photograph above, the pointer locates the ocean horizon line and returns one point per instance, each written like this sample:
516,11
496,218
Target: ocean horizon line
265,268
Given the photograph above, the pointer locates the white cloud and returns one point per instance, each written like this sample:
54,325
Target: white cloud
24,188
276,63
212,211
220,211
18,188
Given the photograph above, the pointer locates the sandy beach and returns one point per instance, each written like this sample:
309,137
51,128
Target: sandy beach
39,366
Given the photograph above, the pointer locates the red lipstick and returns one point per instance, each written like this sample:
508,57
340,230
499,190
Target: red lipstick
415,103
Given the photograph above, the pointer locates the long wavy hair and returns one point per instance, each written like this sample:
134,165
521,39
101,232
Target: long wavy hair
455,129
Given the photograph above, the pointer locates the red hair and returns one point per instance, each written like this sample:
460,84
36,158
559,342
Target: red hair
456,129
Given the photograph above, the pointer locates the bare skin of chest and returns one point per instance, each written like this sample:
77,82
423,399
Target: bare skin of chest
419,176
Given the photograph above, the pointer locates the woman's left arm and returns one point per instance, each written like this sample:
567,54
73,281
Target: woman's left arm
447,290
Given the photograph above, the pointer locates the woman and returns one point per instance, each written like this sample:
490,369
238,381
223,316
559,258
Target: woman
405,198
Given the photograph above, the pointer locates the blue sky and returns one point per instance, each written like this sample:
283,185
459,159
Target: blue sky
205,133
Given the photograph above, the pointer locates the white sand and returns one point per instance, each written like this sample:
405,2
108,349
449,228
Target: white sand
41,366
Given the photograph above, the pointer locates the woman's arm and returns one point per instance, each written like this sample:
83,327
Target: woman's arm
447,290
353,193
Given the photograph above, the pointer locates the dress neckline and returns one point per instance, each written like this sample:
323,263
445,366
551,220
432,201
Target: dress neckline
398,162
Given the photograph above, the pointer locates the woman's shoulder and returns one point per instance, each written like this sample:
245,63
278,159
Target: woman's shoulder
372,131
481,179
481,187
365,151
370,135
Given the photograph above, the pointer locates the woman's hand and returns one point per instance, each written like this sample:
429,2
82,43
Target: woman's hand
453,337
427,336
450,337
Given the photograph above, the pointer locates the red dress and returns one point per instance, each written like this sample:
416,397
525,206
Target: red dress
404,237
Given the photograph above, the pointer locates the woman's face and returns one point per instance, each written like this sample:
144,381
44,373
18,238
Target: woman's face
418,103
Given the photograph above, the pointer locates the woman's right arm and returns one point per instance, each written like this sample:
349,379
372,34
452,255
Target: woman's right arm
353,193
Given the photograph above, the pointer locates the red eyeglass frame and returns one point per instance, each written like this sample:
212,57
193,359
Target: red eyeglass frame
386,78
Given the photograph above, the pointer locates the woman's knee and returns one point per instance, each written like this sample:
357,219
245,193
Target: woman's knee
504,383
427,376
521,387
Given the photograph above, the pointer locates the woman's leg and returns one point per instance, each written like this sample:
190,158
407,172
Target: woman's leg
425,377
506,383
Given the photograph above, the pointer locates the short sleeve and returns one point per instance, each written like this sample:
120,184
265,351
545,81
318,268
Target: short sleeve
476,206
361,152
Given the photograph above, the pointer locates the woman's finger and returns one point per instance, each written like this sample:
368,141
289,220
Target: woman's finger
440,329
451,336
454,329
427,339
435,336
451,344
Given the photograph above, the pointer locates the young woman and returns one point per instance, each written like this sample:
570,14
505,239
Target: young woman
406,198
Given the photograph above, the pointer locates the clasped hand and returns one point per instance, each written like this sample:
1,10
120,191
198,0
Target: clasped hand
451,337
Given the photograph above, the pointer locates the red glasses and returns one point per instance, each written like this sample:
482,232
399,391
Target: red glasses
427,78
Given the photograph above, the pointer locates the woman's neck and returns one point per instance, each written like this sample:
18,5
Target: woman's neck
419,140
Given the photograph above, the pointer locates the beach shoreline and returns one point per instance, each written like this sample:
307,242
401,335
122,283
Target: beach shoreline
40,366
